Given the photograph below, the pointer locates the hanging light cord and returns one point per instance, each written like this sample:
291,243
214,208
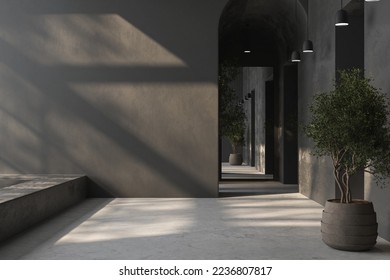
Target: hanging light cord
296,18
307,24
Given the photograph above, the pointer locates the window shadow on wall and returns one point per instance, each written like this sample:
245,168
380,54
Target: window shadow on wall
49,96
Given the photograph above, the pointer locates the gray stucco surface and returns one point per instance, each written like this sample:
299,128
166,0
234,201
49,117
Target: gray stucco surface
316,74
123,91
37,198
377,64
254,82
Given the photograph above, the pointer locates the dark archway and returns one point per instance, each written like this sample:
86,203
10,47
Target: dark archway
271,30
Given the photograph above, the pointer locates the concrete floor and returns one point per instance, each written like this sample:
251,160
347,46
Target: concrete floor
274,223
242,172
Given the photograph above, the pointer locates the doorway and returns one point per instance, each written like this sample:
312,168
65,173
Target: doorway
266,85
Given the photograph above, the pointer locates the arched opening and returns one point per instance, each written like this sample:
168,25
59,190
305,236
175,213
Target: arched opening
260,36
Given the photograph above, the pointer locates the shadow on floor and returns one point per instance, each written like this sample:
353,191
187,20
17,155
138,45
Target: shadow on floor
247,188
52,228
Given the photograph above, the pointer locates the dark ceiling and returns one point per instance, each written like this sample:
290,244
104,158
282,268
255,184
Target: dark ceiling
267,27
271,29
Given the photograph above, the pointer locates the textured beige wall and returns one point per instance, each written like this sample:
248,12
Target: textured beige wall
122,91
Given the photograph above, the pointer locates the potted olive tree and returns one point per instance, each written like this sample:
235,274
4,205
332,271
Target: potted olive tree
232,120
350,124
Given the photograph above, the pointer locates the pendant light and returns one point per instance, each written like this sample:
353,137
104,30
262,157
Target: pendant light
246,40
295,56
308,44
342,16
372,0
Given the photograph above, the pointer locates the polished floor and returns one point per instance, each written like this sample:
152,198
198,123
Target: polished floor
265,220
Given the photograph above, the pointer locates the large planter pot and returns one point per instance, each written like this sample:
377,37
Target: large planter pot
349,226
235,159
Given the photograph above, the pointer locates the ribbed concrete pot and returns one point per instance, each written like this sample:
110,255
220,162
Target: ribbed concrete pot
235,159
349,226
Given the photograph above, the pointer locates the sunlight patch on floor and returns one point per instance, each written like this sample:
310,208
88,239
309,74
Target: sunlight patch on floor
134,218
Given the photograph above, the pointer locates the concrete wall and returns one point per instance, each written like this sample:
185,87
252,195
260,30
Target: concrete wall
377,64
124,91
350,54
316,74
37,199
254,82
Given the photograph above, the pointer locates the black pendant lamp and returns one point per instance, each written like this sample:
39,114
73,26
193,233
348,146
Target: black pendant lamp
295,55
342,16
308,44
246,39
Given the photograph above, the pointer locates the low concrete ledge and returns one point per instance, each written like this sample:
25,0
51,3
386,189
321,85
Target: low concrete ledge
37,198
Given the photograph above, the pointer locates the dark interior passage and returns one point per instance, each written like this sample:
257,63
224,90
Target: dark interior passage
262,34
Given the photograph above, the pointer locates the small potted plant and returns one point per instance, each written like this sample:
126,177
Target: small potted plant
350,124
232,116
235,133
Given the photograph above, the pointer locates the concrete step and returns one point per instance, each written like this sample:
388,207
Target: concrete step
31,199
